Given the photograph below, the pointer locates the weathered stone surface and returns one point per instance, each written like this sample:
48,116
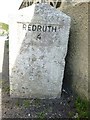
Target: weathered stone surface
38,46
76,74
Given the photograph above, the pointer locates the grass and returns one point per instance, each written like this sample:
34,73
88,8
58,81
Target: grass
37,102
26,103
82,108
17,103
70,114
6,89
41,115
4,26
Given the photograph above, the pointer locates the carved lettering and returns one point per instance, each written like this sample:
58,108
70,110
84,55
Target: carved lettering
40,28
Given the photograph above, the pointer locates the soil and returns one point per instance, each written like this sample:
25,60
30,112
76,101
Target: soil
37,108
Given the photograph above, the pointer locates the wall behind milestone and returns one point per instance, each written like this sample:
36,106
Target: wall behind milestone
76,71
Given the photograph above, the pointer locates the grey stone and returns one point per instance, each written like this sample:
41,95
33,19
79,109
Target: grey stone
38,47
76,72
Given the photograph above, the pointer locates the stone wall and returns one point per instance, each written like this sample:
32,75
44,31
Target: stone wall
76,73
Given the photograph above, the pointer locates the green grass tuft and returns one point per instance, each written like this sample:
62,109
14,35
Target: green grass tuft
41,115
4,26
4,29
26,103
82,108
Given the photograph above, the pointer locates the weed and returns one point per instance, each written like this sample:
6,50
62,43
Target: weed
37,102
4,26
82,108
70,114
6,89
41,115
26,103
17,103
